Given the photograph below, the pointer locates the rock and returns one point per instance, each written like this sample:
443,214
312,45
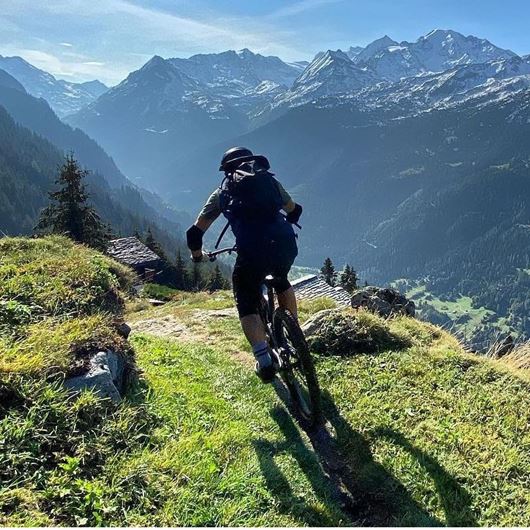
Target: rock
346,332
105,376
124,330
313,325
383,301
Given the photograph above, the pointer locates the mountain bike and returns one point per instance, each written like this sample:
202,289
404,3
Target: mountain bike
287,341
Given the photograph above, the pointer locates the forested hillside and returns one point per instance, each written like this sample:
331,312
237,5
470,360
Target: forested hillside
28,168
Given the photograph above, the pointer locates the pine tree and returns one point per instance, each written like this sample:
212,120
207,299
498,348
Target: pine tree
182,280
69,212
154,245
349,279
328,271
217,281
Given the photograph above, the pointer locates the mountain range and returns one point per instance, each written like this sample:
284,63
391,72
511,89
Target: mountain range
33,143
411,158
64,97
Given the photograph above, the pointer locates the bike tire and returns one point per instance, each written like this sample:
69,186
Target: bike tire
307,400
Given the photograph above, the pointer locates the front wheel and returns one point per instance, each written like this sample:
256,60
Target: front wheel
298,370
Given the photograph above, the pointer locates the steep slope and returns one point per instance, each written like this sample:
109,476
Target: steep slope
36,115
64,97
330,73
28,168
154,116
243,79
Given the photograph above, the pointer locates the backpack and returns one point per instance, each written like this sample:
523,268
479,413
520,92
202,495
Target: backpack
251,202
250,198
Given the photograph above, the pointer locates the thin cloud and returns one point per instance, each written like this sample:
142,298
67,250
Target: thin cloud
300,7
120,28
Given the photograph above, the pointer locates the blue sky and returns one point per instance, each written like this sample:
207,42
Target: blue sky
106,39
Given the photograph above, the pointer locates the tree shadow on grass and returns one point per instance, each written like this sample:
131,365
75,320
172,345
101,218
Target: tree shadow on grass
346,478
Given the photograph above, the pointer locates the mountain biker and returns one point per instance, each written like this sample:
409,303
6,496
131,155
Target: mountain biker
252,199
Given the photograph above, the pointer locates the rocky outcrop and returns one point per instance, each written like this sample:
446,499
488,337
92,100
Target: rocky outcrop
345,332
106,376
383,301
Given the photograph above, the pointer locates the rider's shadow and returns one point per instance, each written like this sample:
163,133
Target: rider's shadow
351,480
278,484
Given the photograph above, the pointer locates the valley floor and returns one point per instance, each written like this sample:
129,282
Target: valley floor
425,436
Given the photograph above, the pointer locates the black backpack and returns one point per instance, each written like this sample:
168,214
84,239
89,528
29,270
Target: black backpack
250,198
250,201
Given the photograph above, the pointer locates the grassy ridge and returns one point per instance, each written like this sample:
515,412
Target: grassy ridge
57,300
430,434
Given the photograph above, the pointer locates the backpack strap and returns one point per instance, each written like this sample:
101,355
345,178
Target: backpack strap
224,199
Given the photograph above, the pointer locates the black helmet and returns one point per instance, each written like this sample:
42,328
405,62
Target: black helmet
233,155
237,155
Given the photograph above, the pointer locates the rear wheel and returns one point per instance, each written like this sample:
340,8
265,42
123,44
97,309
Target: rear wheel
298,370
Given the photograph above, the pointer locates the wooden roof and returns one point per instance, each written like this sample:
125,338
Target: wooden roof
313,286
131,251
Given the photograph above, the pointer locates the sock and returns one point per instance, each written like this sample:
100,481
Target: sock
261,353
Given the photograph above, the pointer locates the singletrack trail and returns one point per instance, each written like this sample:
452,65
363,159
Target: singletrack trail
425,436
203,324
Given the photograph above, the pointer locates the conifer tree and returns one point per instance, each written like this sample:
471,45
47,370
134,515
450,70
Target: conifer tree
217,280
328,271
349,279
182,279
69,212
154,245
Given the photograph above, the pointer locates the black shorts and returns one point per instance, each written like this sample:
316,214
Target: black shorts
250,271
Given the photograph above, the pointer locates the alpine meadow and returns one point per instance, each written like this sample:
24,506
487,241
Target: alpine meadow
264,264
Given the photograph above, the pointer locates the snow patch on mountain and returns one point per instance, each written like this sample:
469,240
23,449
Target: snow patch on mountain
64,97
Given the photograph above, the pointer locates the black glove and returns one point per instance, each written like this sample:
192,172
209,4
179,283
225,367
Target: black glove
294,216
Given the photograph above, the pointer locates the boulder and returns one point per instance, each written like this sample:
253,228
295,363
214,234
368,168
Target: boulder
106,375
345,332
123,329
383,301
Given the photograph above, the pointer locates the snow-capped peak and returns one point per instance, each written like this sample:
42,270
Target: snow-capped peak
436,51
374,48
64,97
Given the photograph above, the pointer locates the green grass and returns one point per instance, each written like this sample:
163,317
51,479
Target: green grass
54,277
465,316
57,303
431,435
159,292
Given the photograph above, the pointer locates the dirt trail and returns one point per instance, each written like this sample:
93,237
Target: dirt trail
193,327
185,329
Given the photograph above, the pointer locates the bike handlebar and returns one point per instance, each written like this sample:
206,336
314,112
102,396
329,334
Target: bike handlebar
213,255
